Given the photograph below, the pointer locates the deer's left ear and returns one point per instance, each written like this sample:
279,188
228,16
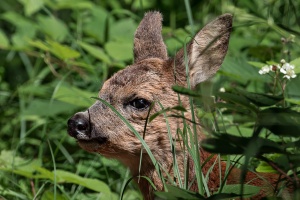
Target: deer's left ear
207,50
148,41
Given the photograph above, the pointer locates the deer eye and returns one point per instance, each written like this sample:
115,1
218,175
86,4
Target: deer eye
139,104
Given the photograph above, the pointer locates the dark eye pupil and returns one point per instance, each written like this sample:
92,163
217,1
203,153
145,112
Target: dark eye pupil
140,103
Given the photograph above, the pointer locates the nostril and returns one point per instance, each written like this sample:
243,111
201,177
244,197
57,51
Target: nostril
78,126
81,126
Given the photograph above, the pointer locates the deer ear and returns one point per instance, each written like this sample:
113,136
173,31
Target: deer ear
148,41
206,52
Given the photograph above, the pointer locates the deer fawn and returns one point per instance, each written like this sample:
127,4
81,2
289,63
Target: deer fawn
149,79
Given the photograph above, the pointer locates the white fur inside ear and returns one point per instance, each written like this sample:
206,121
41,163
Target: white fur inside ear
208,49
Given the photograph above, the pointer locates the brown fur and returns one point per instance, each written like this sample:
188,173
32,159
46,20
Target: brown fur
150,77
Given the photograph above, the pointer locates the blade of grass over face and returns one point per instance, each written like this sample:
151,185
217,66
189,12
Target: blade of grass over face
145,146
194,136
173,150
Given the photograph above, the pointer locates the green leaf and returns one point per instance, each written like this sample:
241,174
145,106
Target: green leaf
43,173
31,89
4,42
257,64
280,121
261,99
178,39
17,165
53,27
82,64
240,100
62,51
293,160
39,44
31,6
96,25
249,190
223,196
49,195
217,145
113,196
25,30
240,131
97,52
20,42
25,27
62,177
296,63
8,159
71,4
92,184
230,144
231,107
74,96
132,194
121,51
239,69
264,167
39,107
5,192
271,63
125,26
174,193
284,162
294,101
179,108
185,91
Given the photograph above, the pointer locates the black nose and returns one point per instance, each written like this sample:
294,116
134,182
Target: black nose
79,126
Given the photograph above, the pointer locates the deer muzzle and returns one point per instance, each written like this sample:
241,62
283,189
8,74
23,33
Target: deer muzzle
79,127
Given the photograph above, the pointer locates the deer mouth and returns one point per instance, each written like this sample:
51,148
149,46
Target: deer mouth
93,144
99,140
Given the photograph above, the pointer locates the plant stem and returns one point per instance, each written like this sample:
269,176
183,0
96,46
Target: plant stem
275,166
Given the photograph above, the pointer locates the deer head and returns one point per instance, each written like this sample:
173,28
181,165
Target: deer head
149,79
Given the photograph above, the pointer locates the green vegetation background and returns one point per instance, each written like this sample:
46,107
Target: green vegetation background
55,55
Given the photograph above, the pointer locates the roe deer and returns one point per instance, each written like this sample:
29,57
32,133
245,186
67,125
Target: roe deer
149,79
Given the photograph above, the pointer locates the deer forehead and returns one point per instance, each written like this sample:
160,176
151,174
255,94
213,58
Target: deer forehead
143,79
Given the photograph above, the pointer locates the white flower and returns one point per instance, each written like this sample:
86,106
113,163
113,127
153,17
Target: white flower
222,89
288,70
265,69
274,68
290,74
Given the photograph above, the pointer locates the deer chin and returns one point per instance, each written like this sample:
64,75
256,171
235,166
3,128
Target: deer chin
92,145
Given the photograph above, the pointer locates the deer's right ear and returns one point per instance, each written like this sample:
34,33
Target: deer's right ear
206,52
148,41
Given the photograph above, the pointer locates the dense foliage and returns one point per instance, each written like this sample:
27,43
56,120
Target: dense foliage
55,54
